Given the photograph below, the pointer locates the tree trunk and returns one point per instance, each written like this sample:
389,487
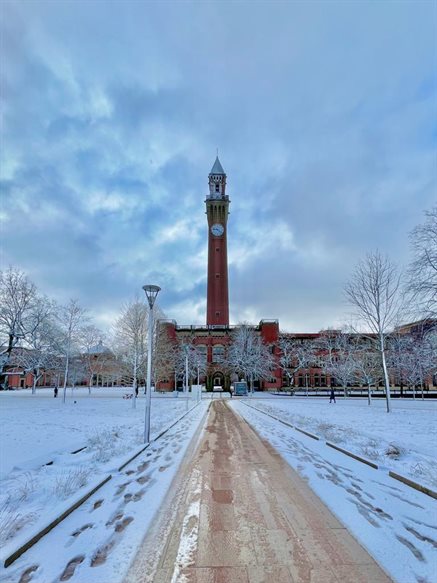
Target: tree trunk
35,380
67,365
369,394
386,379
4,379
134,385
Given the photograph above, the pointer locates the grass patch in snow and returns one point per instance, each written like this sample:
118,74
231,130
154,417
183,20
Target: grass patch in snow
67,483
425,473
24,486
370,450
106,444
12,521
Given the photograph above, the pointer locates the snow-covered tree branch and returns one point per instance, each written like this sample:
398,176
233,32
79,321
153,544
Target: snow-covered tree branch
423,269
374,293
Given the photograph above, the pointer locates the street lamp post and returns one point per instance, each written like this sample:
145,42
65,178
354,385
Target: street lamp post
151,293
186,370
186,375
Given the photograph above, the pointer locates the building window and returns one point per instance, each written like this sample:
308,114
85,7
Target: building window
217,248
217,275
218,353
217,314
217,187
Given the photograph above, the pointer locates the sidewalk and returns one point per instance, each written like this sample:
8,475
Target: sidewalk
241,514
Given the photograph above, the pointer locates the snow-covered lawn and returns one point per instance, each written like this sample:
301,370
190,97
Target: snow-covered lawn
38,429
98,541
404,440
397,524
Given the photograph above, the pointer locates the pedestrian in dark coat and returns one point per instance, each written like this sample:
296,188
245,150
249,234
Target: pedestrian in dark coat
332,396
55,392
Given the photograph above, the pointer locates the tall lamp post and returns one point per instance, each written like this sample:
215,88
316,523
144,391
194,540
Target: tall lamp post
151,293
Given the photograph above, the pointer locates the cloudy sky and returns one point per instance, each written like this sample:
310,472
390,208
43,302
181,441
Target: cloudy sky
324,114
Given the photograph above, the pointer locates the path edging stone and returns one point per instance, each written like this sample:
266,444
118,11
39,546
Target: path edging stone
354,455
413,484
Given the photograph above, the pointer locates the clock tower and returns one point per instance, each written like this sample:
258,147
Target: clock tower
217,210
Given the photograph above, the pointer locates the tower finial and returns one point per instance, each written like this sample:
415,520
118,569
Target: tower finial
217,151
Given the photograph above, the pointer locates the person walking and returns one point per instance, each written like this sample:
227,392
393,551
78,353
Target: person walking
332,396
55,392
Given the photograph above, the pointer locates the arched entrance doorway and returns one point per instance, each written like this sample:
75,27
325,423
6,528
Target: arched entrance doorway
217,378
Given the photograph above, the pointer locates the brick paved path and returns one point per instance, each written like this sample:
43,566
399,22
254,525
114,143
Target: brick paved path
240,514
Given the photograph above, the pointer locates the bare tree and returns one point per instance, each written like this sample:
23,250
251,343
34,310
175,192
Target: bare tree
164,353
423,269
374,292
22,311
131,331
367,367
419,361
70,320
398,358
189,356
339,357
94,354
248,356
286,359
295,356
39,353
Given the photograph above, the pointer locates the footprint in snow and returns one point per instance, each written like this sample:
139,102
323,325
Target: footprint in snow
26,576
420,536
71,567
114,518
121,488
411,548
97,504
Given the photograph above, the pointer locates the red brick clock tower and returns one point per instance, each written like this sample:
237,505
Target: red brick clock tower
217,210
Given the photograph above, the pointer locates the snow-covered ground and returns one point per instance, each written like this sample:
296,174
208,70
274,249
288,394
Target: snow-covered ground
397,524
98,541
404,440
38,429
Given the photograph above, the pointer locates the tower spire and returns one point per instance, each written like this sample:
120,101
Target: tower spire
217,167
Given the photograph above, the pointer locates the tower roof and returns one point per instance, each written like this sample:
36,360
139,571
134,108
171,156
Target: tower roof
217,168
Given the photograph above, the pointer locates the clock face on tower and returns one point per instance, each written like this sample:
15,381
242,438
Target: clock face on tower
217,230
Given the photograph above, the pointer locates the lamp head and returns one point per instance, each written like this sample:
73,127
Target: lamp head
151,293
